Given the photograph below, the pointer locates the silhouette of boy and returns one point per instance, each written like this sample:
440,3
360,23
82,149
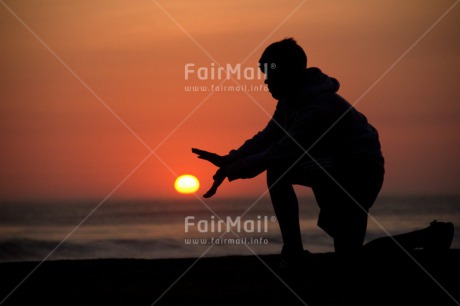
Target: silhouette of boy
316,139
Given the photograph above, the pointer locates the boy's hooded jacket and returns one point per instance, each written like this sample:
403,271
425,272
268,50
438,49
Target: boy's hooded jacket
316,129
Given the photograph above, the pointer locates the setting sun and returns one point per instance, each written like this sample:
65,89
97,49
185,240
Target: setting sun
186,184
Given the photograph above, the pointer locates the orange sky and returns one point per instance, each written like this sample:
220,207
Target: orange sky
60,130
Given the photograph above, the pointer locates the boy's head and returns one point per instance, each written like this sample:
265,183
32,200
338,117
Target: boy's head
284,63
286,54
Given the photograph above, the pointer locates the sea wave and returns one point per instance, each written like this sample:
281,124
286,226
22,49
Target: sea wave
155,229
37,250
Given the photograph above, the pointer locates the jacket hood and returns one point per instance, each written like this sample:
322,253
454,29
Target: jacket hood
317,82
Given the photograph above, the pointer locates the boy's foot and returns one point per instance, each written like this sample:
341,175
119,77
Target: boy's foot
439,236
292,260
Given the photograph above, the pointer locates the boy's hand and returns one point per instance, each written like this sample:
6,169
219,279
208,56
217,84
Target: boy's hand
213,158
219,177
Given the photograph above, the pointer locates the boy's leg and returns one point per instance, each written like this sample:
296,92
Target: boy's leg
437,237
350,239
286,208
343,219
345,200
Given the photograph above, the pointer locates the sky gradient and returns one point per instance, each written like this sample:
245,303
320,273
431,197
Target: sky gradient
93,99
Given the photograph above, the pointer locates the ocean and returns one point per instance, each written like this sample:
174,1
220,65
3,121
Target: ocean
150,229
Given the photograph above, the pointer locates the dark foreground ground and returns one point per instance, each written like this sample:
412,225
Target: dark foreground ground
240,280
